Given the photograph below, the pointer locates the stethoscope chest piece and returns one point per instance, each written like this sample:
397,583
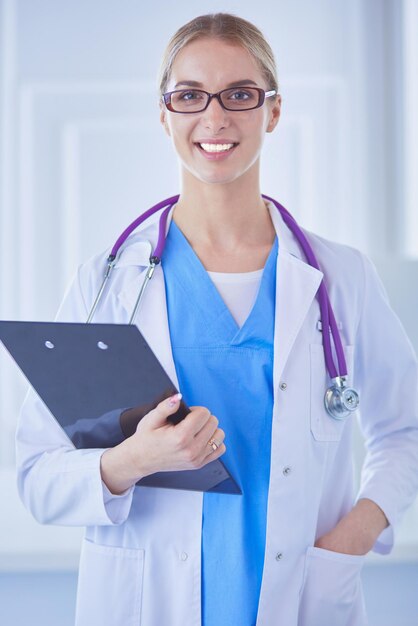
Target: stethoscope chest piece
341,401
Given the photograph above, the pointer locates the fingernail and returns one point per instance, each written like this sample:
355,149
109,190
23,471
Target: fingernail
174,399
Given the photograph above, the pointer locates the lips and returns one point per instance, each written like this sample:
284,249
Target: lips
216,147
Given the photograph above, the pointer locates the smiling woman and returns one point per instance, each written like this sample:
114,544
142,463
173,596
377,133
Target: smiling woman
234,116
240,321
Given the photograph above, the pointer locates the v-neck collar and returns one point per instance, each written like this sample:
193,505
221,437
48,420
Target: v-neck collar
196,291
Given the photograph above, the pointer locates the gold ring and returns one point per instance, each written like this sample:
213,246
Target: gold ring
213,444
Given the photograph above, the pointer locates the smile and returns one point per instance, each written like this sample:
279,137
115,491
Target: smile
217,147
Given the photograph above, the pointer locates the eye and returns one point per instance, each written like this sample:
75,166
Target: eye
190,95
241,95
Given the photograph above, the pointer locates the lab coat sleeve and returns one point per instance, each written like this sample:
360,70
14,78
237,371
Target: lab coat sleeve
388,385
58,483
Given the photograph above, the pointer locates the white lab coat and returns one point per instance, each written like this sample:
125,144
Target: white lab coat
141,556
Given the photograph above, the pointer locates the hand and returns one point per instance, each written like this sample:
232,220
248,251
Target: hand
357,532
158,446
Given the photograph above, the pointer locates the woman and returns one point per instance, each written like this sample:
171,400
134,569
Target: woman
233,318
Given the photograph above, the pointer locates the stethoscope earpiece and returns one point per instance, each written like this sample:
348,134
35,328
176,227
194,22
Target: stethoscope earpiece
340,401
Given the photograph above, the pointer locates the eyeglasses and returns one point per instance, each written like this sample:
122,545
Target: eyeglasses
197,100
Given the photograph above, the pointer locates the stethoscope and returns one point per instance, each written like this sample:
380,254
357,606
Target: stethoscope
340,400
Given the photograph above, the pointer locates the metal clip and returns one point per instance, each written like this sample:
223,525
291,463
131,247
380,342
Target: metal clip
154,261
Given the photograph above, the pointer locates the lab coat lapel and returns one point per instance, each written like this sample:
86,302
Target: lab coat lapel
296,286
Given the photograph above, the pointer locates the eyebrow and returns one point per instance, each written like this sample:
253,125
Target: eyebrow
195,83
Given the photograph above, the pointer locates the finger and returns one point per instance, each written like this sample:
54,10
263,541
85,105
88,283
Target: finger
212,455
215,441
194,421
158,416
207,429
210,431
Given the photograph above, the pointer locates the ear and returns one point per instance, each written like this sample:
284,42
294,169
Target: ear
274,114
163,120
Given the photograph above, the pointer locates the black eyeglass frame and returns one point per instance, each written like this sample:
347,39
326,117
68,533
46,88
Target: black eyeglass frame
262,95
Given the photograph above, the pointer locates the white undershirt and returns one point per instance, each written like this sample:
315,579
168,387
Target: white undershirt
238,291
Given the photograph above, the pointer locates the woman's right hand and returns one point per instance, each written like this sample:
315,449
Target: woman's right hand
158,446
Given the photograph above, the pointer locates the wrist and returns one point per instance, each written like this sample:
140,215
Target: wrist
357,531
117,473
371,520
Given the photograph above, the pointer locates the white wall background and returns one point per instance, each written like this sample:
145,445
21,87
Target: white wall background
82,153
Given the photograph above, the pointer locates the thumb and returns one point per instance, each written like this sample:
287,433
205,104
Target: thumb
158,416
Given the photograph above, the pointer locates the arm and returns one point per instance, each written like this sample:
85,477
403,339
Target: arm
56,482
356,532
87,487
387,375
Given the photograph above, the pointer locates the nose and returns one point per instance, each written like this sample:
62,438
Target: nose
215,116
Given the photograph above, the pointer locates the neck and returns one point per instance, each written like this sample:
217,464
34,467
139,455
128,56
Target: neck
223,217
228,225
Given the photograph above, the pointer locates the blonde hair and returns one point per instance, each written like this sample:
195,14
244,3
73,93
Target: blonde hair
226,27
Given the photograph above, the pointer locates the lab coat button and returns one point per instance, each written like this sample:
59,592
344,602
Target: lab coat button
279,556
283,386
287,470
183,556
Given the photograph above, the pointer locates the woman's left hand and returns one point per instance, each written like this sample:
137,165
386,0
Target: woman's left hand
357,532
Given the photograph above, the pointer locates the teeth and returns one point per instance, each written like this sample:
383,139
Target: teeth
216,147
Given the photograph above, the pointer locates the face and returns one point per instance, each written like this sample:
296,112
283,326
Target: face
214,65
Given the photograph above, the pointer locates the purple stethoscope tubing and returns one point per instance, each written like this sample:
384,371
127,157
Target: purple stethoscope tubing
327,314
138,221
154,259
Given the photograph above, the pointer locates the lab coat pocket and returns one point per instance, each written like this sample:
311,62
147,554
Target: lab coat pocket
331,592
109,586
323,426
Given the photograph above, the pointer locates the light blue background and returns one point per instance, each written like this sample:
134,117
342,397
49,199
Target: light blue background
80,145
44,599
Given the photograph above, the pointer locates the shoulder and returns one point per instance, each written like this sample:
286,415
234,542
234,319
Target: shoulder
135,251
348,269
348,272
132,257
354,288
338,260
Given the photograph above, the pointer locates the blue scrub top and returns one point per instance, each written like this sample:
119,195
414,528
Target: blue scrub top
230,371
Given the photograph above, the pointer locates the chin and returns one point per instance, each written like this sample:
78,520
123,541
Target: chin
217,178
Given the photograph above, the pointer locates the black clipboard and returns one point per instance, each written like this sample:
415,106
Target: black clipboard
88,374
